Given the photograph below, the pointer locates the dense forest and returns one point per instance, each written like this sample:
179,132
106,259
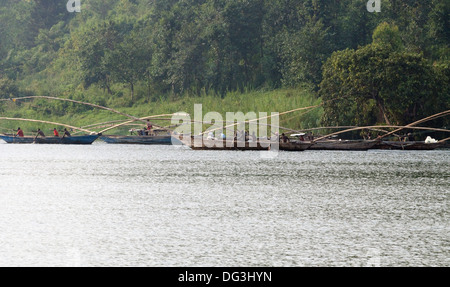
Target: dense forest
389,67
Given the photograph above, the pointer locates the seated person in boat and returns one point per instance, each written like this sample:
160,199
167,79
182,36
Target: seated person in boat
19,133
66,133
240,135
410,137
284,138
40,133
55,132
149,127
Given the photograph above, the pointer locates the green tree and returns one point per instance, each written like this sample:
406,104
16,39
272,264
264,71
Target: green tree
304,53
128,62
378,83
8,88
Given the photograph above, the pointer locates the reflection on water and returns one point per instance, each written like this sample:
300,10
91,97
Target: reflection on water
106,205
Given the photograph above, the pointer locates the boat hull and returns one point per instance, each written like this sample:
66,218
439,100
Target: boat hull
138,140
409,145
75,140
209,144
295,146
346,145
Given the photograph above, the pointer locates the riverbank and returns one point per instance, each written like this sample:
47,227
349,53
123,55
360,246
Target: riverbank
81,116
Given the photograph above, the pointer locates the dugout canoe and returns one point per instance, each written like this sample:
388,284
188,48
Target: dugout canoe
259,145
73,140
344,145
408,145
295,145
225,144
138,140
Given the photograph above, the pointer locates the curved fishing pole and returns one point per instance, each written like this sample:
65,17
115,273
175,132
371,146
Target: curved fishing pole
340,127
266,117
444,140
137,119
209,123
82,103
77,102
435,116
374,127
47,122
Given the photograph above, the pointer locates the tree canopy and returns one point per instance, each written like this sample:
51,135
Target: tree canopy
382,83
156,48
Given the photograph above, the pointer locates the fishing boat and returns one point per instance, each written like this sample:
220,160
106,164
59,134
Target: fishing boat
295,145
73,140
259,145
345,145
199,143
158,137
141,140
408,145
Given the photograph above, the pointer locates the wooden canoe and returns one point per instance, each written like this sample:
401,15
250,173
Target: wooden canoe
214,144
138,140
345,145
73,140
408,145
296,145
260,145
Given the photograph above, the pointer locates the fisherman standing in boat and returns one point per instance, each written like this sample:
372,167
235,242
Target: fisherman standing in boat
19,133
55,132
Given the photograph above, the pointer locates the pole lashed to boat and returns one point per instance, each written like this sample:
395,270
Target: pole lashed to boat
398,128
47,122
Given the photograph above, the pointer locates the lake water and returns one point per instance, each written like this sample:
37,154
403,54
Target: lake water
111,205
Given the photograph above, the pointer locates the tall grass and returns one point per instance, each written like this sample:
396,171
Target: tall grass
280,100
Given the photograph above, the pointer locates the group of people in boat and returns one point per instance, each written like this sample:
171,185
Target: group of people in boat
238,136
41,133
146,131
245,136
301,137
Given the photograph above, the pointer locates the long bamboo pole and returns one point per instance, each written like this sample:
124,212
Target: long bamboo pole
374,127
77,102
262,118
82,103
435,116
47,122
131,121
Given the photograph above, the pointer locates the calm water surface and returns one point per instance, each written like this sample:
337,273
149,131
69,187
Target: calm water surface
108,205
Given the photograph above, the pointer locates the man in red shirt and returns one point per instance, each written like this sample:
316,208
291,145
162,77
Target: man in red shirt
55,132
19,133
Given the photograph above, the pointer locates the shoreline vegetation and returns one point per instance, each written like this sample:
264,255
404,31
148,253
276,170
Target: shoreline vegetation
254,101
161,57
